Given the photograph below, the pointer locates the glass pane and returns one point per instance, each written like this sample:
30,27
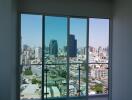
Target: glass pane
31,56
98,40
31,39
56,81
98,79
77,40
77,80
31,82
55,40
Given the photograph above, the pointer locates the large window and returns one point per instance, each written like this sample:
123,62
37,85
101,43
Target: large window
63,57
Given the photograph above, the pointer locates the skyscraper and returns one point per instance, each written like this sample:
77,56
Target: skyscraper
53,47
72,46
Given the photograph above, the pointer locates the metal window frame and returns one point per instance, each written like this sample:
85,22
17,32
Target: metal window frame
87,60
68,33
43,54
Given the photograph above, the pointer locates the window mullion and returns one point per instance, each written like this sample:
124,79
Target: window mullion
110,62
87,58
79,78
68,32
43,54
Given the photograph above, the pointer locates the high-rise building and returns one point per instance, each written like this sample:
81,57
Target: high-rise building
25,47
53,47
72,46
82,51
38,53
100,50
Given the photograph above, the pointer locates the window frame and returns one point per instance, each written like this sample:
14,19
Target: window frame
18,77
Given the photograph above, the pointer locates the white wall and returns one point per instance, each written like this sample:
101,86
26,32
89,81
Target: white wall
122,50
7,48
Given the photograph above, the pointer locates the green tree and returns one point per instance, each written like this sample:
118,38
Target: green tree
63,73
35,81
98,88
28,71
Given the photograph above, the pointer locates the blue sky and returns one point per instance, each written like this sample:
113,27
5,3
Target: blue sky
31,30
56,28
78,27
98,32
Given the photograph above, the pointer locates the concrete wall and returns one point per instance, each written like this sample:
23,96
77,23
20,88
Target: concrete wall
7,49
122,51
90,8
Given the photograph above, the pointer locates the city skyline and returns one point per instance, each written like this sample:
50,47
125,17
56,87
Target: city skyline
56,28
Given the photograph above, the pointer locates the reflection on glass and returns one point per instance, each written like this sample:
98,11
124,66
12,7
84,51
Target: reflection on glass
77,80
98,40
56,81
55,40
31,56
77,40
98,79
